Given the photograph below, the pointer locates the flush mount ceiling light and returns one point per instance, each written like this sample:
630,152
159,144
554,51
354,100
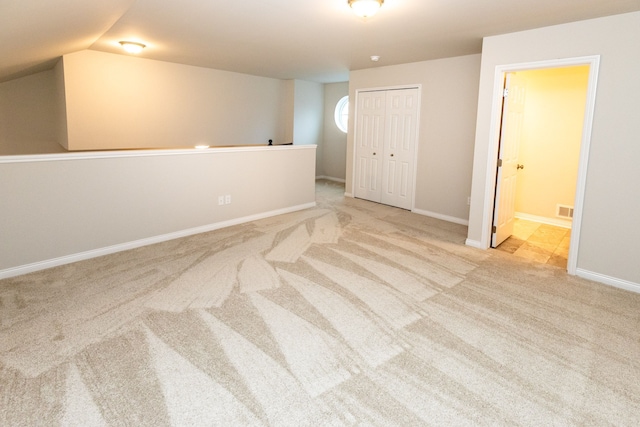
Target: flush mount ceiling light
132,47
365,8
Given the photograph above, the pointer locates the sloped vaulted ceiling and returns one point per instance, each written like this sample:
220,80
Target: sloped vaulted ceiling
34,33
317,40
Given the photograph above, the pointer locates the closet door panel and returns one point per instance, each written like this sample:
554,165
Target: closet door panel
370,131
399,148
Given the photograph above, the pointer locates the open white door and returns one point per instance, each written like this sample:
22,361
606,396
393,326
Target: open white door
510,137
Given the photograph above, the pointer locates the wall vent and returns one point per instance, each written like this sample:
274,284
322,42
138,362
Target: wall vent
564,211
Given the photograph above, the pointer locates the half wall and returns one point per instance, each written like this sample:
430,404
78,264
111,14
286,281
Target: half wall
61,208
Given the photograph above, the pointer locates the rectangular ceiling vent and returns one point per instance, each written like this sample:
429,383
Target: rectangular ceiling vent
564,211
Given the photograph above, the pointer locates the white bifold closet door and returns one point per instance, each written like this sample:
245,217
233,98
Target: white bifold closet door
385,138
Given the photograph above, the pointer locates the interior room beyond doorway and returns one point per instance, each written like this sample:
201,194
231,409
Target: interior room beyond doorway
544,243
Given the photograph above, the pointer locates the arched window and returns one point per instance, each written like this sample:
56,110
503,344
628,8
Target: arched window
342,113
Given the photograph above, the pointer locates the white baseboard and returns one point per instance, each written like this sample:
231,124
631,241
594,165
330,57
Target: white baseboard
348,195
94,253
558,222
330,178
608,280
475,244
442,217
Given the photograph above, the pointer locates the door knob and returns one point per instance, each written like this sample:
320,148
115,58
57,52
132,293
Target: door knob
374,154
520,166
391,154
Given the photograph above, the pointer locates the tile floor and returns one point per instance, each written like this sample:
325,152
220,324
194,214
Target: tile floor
543,243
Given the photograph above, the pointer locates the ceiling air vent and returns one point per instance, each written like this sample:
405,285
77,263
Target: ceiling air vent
564,211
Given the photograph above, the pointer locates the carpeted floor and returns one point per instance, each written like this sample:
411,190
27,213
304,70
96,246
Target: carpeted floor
348,314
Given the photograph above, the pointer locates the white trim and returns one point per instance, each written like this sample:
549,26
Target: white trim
337,114
84,155
558,222
348,195
384,88
417,144
490,179
330,178
441,216
475,244
416,148
608,280
68,259
581,183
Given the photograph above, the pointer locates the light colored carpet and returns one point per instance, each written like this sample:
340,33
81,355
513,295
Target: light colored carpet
349,314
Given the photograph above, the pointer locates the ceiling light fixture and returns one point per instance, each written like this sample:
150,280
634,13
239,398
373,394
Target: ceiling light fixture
132,47
365,8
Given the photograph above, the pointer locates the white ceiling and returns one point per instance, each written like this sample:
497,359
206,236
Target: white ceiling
316,40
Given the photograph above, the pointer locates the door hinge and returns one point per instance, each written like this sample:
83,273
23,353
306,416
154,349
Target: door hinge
494,229
499,163
505,92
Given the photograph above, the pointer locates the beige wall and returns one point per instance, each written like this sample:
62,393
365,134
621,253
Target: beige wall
117,101
28,117
307,115
334,143
61,135
552,133
61,208
447,125
610,235
289,109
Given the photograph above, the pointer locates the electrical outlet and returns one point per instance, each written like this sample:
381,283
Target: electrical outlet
469,201
220,200
227,199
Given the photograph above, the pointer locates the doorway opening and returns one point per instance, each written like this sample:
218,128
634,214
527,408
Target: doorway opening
542,122
545,168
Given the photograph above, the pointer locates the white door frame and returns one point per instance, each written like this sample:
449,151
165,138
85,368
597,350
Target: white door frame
415,154
487,219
